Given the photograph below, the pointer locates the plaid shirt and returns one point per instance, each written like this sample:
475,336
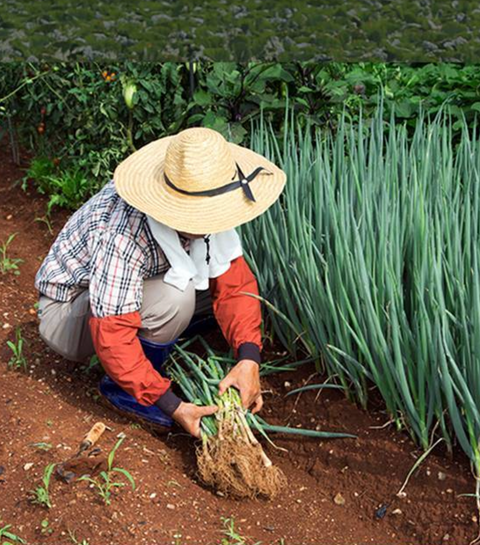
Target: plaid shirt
107,247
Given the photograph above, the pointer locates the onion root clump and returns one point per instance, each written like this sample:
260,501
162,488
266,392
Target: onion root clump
237,467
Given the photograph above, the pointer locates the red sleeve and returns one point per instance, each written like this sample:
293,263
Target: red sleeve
121,354
239,315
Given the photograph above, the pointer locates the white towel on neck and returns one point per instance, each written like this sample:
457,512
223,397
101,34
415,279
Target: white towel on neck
224,247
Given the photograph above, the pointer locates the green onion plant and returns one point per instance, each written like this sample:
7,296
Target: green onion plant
370,263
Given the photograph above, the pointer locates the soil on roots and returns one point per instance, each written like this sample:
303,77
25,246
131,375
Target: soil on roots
237,468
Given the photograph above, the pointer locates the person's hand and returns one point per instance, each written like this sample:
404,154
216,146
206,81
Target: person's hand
189,415
245,376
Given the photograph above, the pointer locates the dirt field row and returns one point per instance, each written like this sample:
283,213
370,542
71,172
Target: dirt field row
335,487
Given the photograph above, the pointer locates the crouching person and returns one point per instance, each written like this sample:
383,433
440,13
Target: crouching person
150,252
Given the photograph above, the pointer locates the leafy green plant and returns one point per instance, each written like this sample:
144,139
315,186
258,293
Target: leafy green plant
228,95
18,359
7,537
68,189
280,29
7,263
105,484
41,494
37,171
371,259
90,117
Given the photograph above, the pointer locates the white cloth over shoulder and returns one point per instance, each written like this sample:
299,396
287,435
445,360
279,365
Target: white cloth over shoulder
224,247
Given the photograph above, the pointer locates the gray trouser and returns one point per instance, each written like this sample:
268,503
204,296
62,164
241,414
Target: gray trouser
165,313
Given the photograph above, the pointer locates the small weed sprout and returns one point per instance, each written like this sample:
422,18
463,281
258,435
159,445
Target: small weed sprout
74,540
232,537
8,264
41,446
93,363
135,426
105,483
7,537
46,220
41,494
18,359
45,527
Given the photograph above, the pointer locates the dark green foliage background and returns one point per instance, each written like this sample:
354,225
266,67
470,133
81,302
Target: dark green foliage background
88,127
221,30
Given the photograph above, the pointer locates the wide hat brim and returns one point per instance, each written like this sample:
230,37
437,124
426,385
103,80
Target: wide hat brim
139,180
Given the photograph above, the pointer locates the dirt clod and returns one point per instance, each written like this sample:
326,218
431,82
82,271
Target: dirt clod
339,499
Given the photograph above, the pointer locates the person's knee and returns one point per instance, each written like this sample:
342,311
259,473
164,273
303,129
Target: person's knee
72,343
79,354
167,313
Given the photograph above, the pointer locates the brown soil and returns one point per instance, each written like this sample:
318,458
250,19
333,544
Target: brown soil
55,402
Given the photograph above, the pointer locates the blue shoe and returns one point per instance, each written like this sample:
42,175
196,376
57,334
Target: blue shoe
124,403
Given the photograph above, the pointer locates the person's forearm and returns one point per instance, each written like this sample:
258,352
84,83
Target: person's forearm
121,354
238,314
249,351
168,402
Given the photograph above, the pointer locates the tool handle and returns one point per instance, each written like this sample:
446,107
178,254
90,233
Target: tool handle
93,435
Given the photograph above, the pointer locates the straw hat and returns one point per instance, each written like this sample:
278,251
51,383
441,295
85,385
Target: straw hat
197,182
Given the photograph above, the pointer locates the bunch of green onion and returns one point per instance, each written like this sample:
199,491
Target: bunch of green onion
231,458
199,379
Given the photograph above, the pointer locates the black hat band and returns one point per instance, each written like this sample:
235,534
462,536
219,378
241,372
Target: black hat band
243,182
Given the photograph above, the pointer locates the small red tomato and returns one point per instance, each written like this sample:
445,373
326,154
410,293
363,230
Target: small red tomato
56,161
41,129
43,111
